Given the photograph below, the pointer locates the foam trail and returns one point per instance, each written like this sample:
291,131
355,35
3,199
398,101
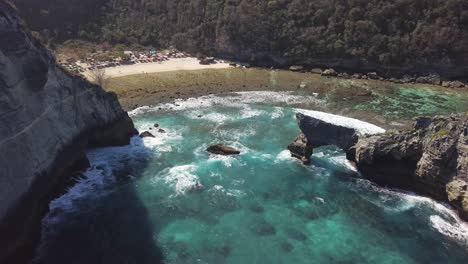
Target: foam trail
445,222
360,126
242,99
181,178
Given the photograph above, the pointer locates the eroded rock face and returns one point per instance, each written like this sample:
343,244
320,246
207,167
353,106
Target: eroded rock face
48,120
321,133
317,133
301,149
431,159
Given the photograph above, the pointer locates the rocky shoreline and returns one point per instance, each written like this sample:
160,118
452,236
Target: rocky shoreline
430,78
430,159
49,119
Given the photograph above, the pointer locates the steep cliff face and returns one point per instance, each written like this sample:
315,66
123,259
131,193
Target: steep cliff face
431,159
47,120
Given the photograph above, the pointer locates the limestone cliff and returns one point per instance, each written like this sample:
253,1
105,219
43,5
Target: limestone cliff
317,133
430,159
47,120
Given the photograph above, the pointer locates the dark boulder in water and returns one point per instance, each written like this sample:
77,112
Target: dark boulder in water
146,134
263,228
296,234
286,247
221,149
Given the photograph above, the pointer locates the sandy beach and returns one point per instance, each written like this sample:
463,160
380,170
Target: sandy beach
173,64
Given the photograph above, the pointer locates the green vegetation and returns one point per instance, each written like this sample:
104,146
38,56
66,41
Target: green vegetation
420,34
441,133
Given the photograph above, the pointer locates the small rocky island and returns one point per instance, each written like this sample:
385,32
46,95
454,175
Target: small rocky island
430,159
220,149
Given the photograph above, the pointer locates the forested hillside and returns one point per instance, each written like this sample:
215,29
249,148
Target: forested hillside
398,35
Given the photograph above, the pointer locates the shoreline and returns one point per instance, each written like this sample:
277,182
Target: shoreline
165,87
173,64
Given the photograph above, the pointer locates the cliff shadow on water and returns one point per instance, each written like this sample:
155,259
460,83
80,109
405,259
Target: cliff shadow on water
48,119
102,219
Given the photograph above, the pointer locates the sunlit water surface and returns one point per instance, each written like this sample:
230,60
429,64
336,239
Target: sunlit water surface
167,199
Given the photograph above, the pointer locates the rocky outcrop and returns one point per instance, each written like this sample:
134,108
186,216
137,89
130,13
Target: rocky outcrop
301,149
329,73
48,120
146,134
431,159
221,149
321,133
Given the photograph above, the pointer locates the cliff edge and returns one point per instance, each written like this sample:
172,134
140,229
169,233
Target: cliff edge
430,159
47,121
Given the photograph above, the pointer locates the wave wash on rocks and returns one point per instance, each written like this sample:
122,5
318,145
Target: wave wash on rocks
430,159
48,119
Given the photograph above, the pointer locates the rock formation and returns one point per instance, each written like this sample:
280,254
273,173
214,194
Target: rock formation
146,134
320,133
301,149
431,159
48,119
220,149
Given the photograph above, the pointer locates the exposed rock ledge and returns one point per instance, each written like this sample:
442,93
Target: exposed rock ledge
48,119
431,159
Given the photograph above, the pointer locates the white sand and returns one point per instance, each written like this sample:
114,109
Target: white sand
173,64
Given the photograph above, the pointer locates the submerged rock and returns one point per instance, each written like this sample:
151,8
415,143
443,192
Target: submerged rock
146,134
286,247
263,228
431,159
221,149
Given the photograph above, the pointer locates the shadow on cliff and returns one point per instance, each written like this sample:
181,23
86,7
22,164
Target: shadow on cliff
113,228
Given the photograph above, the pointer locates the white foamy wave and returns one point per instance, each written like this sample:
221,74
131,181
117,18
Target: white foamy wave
227,192
98,180
360,126
140,110
446,221
236,99
458,231
342,161
284,155
211,116
181,178
248,112
277,113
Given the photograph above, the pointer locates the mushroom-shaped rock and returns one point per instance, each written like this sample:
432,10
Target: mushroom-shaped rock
221,149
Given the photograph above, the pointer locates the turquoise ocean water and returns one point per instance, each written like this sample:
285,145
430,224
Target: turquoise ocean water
166,200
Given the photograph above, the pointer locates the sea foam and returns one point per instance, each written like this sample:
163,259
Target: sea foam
445,222
360,126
